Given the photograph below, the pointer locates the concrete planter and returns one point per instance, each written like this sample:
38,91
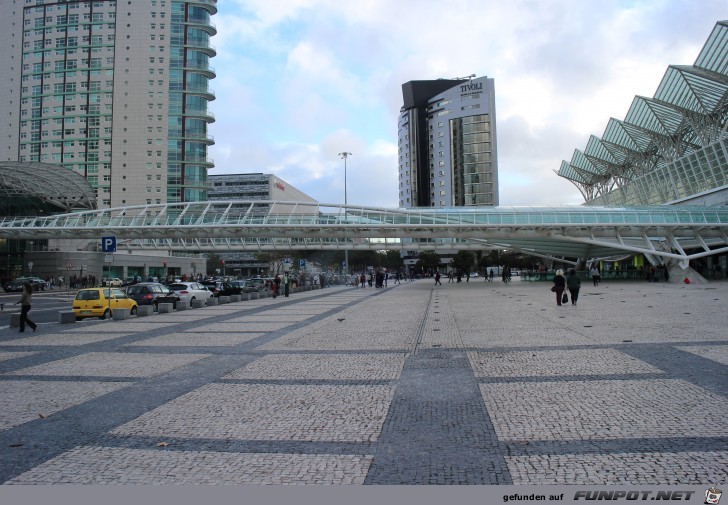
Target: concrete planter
223,299
198,304
182,306
121,314
234,298
165,308
211,301
145,310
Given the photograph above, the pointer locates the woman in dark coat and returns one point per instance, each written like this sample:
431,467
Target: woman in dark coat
559,285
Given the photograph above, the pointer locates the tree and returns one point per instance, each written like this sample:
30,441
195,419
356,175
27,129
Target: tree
428,261
463,261
391,260
274,259
214,261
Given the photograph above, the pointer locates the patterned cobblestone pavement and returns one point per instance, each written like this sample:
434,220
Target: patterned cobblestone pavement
469,383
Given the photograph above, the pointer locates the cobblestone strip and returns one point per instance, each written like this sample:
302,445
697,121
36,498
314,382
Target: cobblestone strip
680,363
437,430
614,446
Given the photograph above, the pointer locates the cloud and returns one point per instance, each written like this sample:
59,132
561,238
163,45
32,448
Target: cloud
302,80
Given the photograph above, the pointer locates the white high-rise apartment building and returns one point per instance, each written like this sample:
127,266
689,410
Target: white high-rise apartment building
116,90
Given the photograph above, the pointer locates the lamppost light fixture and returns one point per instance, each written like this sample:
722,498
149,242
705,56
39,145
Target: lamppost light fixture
345,155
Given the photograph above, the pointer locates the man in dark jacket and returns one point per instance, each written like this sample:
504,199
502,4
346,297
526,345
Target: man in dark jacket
574,284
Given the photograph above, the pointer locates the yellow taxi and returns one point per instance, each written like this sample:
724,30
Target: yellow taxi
101,302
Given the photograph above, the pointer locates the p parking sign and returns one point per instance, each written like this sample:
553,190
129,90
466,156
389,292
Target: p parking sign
108,244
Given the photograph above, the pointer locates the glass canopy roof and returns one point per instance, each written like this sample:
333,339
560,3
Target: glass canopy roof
687,114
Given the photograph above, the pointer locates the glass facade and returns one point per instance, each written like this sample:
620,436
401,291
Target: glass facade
471,161
694,174
189,92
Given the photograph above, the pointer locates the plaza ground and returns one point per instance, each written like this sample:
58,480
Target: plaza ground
470,383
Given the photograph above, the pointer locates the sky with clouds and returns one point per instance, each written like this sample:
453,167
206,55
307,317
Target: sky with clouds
299,81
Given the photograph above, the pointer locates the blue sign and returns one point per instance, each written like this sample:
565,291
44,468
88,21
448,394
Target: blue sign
302,263
108,244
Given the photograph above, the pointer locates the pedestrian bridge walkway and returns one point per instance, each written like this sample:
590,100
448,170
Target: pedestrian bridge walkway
674,232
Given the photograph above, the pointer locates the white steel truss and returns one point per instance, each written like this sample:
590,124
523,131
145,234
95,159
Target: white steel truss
670,232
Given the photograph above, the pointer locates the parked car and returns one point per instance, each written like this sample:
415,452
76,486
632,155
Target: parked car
112,282
101,303
189,291
214,286
152,293
262,283
239,287
17,284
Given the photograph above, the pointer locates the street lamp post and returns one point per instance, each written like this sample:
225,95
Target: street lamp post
345,155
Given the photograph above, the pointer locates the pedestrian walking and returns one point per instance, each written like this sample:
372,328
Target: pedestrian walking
25,300
594,271
573,283
276,286
437,278
492,274
559,285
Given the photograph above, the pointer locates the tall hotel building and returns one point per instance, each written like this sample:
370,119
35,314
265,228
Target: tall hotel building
116,90
447,144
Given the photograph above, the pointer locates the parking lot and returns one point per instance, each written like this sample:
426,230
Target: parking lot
469,383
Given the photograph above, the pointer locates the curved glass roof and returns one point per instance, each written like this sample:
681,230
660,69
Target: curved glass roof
577,231
51,184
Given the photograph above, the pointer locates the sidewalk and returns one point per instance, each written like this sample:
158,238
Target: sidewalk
470,383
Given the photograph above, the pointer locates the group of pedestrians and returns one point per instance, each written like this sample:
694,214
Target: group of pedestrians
561,284
378,279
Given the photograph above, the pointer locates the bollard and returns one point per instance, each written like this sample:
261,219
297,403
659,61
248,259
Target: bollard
66,316
165,308
145,310
120,314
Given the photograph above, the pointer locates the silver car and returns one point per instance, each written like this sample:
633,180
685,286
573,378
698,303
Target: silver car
189,291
